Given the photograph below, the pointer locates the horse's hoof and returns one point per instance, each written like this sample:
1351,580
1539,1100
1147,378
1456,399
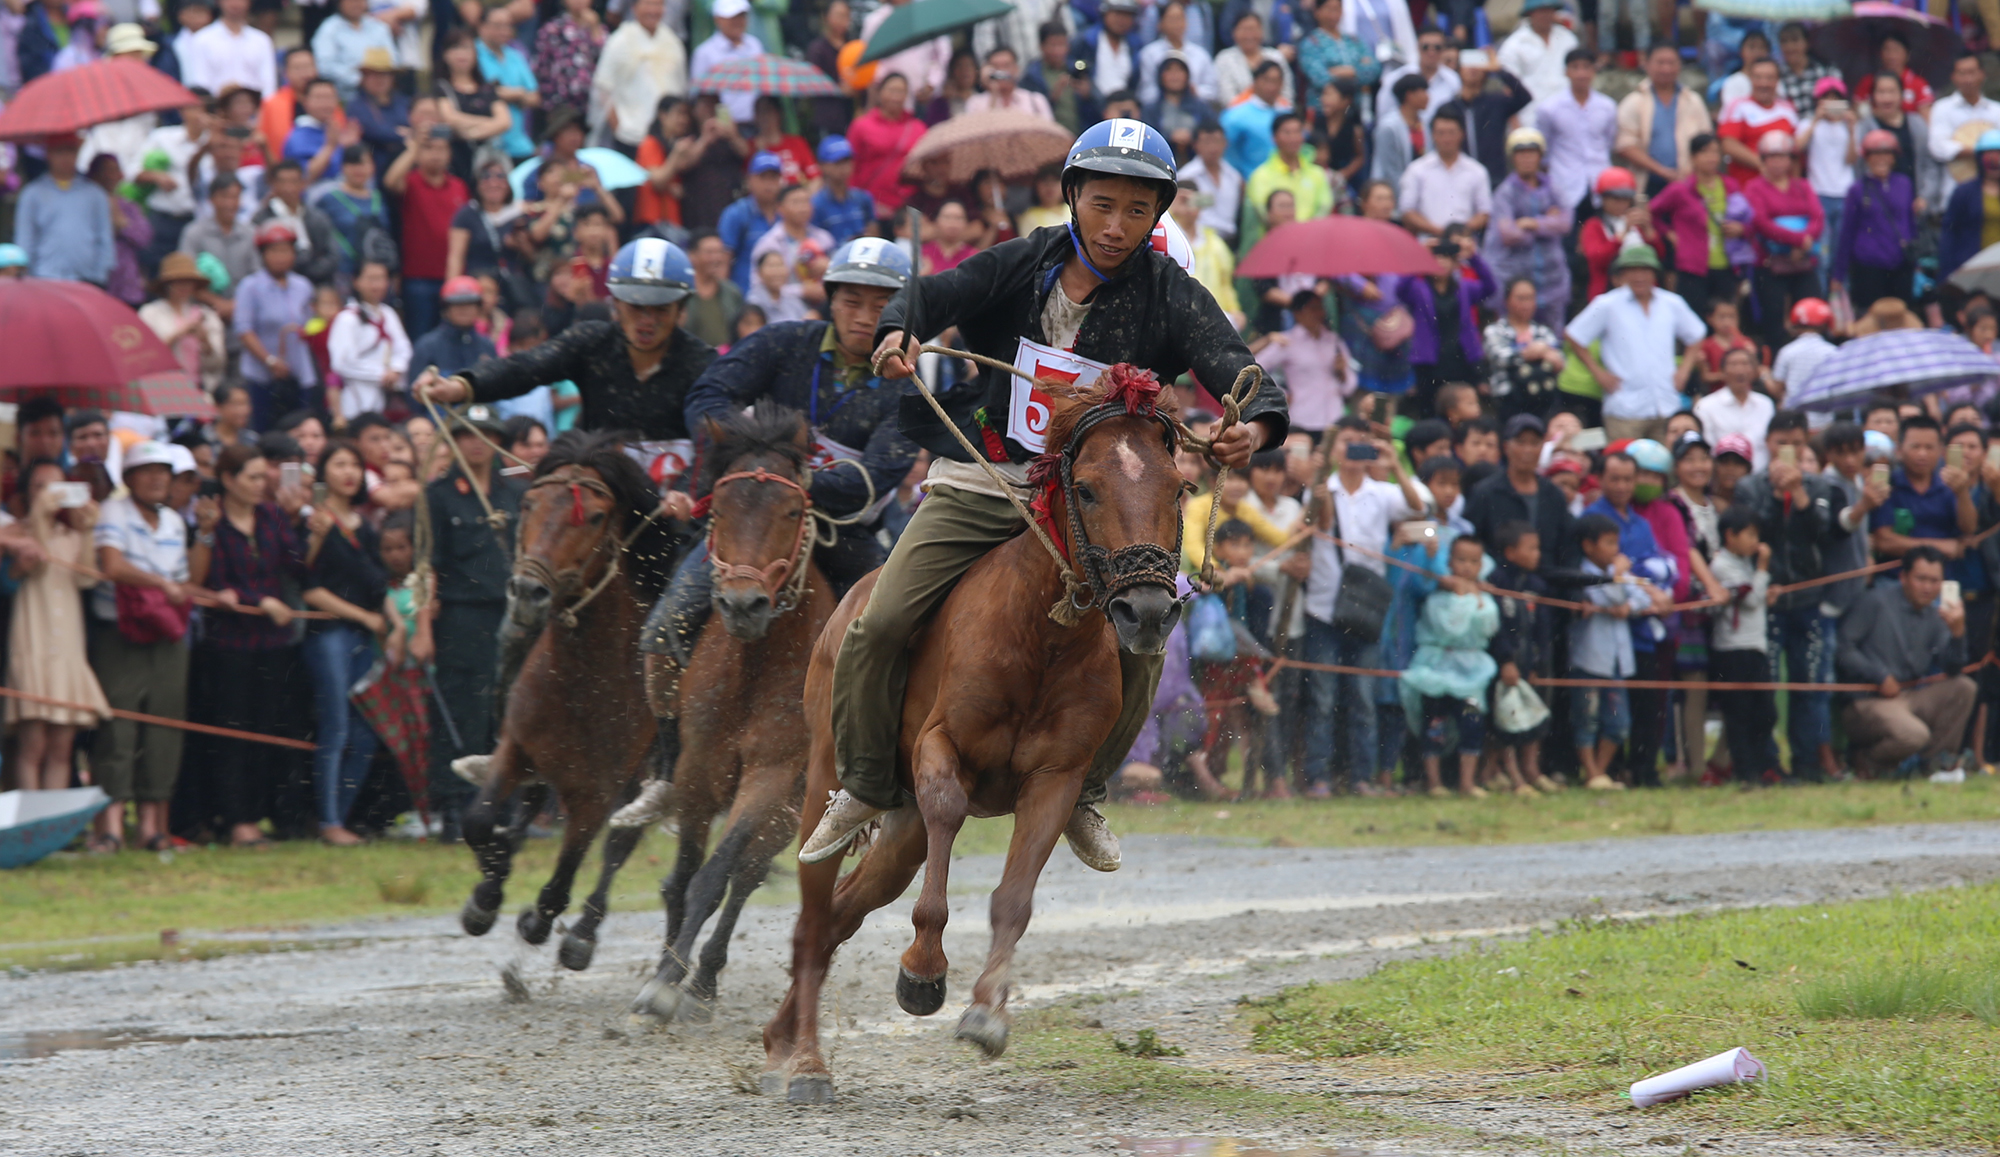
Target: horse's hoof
810,1089
772,1083
695,1009
475,920
658,999
576,952
985,1028
919,997
515,984
533,926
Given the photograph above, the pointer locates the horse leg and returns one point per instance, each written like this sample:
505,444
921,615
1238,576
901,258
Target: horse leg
581,942
920,982
578,835
688,855
492,849
828,915
753,863
662,996
1040,813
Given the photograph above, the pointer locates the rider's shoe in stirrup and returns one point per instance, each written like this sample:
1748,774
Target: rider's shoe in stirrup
845,817
473,769
655,800
1091,839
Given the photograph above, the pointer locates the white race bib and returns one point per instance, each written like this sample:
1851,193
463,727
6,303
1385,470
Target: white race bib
666,462
1029,411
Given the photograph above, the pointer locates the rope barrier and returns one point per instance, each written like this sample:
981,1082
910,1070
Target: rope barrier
161,721
1638,684
201,596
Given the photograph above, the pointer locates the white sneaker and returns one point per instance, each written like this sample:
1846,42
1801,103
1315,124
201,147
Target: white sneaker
655,800
1091,839
845,817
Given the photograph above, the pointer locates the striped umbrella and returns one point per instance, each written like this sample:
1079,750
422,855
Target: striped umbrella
89,350
767,75
1915,361
93,94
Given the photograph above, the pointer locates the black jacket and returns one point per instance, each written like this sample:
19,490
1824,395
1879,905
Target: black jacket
783,362
1486,117
1800,539
1150,314
472,561
1495,501
1523,638
593,356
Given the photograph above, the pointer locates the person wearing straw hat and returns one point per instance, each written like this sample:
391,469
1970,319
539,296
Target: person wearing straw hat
191,330
381,111
125,138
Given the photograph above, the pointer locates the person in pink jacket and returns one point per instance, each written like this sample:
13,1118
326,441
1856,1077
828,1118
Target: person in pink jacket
1693,211
1786,222
882,137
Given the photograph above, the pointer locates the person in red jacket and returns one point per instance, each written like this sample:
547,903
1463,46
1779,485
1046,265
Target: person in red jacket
1604,235
1692,213
1787,222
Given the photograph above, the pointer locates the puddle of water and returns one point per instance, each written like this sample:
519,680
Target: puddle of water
1226,1147
27,1046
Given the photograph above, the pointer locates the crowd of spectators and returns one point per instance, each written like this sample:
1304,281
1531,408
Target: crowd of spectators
1590,388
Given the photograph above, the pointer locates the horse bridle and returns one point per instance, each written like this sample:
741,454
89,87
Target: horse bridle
783,579
561,581
1110,573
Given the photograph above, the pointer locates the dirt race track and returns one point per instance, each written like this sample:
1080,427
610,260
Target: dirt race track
402,1043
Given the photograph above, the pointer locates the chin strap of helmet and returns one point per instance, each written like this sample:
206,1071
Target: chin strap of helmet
1080,254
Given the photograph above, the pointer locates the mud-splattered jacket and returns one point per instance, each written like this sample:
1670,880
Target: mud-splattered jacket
593,355
1150,314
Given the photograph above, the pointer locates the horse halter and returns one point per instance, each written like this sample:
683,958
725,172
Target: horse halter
559,582
1110,573
783,579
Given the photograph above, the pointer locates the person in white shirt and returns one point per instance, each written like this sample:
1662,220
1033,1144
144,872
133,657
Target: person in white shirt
229,51
1794,365
644,61
732,40
1217,180
1736,408
1444,83
923,65
1444,186
1755,47
366,347
1831,143
1967,103
1004,91
1638,324
1384,26
1536,50
1173,39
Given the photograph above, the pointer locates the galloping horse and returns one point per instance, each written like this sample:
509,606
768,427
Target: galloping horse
591,557
743,735
1004,711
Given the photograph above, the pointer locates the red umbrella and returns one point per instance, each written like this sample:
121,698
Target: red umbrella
1336,247
103,90
90,350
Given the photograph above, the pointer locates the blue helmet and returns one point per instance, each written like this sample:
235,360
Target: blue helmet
1989,142
650,271
1122,148
869,261
12,256
1647,454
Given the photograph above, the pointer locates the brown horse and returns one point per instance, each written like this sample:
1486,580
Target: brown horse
1004,711
590,559
742,723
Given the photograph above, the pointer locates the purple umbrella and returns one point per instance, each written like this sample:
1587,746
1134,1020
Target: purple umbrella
1919,361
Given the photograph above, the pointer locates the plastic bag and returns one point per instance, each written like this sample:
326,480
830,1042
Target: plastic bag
1517,708
1211,632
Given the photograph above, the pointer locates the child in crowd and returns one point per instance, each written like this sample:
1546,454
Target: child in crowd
1739,652
774,291
1702,373
1447,680
494,325
752,319
1600,647
1521,647
326,305
1424,544
398,546
1235,685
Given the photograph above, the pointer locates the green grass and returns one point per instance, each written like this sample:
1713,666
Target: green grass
1876,1017
79,911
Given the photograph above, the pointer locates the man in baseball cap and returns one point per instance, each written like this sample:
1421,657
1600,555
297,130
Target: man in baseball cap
839,208
744,222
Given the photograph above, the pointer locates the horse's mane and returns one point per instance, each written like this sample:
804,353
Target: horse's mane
1137,388
768,428
651,553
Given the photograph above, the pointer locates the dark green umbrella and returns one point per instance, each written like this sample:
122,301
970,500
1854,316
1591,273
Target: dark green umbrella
923,20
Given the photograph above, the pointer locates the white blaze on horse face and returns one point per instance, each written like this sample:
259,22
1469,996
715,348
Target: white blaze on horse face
1129,460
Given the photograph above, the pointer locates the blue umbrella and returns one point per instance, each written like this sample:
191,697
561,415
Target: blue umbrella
1780,10
614,169
36,823
1918,361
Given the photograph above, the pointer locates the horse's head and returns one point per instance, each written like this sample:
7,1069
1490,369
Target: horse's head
577,519
760,518
1112,456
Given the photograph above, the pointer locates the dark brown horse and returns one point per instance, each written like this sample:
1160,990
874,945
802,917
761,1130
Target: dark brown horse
1004,711
589,561
742,723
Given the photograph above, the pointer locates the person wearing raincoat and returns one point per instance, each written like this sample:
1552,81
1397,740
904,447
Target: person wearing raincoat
1447,679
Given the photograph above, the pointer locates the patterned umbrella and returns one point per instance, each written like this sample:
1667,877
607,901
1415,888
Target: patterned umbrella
1013,144
392,701
1920,361
88,349
1854,45
77,98
769,76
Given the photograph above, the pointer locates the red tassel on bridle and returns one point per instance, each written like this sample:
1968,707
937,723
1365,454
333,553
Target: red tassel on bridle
1138,389
575,505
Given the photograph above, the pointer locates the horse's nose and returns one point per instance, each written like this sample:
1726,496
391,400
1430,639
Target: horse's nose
746,611
1143,617
528,593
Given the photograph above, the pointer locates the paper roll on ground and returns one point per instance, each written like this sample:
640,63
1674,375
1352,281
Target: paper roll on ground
1722,1069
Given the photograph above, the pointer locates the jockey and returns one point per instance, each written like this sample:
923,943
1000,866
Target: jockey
639,383
1088,294
820,369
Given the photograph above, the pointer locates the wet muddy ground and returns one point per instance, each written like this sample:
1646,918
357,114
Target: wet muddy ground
403,1043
